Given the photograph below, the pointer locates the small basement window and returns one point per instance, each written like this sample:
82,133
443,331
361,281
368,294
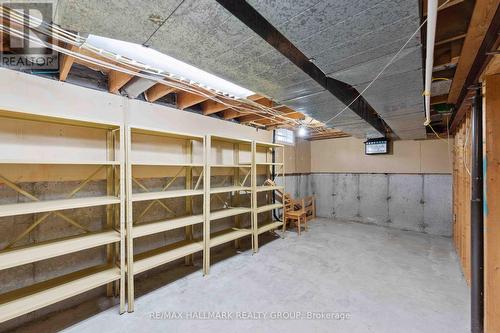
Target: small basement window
285,136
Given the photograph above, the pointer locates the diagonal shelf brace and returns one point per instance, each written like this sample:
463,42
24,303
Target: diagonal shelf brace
46,215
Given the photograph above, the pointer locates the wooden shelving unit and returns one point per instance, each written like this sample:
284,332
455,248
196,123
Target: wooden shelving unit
227,158
161,155
112,274
263,165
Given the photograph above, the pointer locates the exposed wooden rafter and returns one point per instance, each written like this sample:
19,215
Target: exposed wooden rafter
187,99
116,80
158,91
65,64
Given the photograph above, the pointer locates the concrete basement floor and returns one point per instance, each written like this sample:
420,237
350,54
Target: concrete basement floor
388,280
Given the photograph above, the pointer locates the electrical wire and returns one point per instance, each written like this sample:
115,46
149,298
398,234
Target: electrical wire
384,68
77,41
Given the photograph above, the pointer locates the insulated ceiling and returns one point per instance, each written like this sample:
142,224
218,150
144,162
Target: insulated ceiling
350,40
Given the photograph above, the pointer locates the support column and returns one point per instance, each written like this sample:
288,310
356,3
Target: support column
491,203
477,254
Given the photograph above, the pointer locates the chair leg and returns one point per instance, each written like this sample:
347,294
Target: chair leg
305,224
298,226
284,227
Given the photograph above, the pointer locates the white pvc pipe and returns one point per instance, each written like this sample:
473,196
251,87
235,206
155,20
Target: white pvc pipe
429,59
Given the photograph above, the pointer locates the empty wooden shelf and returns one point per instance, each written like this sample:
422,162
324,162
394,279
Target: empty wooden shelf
167,164
41,251
54,205
61,162
269,207
146,229
268,188
40,295
175,159
228,212
228,235
232,159
269,165
103,162
269,227
231,166
164,194
225,189
166,254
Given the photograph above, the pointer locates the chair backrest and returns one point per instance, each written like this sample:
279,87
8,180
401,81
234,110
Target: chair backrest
308,201
288,202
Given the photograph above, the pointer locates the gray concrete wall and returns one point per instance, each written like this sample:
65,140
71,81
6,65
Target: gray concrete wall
417,202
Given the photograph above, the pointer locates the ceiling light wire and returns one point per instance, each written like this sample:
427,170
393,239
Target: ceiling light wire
76,40
383,69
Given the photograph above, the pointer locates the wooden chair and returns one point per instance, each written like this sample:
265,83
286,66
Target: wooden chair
308,204
290,214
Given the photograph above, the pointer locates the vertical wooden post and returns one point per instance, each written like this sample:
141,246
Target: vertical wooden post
236,180
110,248
254,217
189,259
129,216
206,209
492,202
121,216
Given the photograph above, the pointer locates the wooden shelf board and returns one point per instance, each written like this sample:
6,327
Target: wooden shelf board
163,255
225,189
167,164
228,235
268,188
46,250
231,165
269,226
229,139
53,205
62,162
269,207
146,229
268,144
229,212
164,194
57,120
25,300
269,163
158,132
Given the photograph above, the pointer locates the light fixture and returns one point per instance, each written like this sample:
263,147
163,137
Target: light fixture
302,132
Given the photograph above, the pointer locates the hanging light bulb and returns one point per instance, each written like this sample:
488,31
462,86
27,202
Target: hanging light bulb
302,131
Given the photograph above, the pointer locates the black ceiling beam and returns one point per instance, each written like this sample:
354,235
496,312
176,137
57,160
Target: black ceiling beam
341,90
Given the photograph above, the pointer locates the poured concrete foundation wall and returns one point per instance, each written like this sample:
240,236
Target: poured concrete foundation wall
417,202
